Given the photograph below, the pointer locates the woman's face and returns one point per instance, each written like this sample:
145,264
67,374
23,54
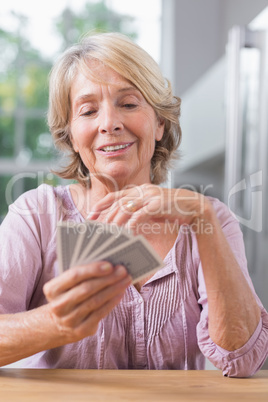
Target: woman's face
113,128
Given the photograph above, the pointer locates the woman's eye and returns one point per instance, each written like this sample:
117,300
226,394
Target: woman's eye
88,113
129,105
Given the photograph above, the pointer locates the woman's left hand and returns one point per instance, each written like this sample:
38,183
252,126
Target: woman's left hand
149,203
140,204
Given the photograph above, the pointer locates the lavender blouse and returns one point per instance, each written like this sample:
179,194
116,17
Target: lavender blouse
165,326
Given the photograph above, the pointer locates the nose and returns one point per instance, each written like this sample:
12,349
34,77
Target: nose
110,120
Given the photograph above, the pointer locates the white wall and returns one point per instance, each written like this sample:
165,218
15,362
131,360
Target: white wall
202,117
194,34
239,12
194,37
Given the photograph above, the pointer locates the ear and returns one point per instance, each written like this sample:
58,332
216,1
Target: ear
160,129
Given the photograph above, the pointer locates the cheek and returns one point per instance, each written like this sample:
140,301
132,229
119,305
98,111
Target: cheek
148,136
75,145
82,143
149,150
88,158
80,136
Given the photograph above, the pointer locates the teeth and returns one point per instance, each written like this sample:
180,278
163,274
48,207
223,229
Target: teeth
114,148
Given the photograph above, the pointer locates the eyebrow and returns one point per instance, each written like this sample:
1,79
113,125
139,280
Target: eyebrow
86,97
130,88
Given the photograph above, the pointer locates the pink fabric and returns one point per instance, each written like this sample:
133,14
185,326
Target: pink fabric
165,326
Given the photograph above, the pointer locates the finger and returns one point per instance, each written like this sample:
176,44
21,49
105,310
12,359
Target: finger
119,212
126,215
68,301
103,207
102,213
109,214
93,215
93,303
141,223
110,200
107,201
140,209
89,326
117,204
127,207
74,276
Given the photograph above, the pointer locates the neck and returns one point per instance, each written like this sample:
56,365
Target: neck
100,188
85,197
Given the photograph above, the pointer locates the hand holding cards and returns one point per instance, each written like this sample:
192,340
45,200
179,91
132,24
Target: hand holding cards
81,243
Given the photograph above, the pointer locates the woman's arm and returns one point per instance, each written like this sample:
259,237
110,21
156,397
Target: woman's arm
226,285
78,300
24,334
232,308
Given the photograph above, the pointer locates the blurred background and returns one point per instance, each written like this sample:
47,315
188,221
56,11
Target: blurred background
214,52
31,37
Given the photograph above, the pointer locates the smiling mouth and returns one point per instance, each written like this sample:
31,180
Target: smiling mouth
114,148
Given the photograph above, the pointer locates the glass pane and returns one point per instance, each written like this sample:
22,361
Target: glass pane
250,68
38,140
7,139
12,186
250,103
4,180
29,44
35,86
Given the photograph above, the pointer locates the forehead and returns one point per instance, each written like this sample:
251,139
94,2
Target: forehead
96,73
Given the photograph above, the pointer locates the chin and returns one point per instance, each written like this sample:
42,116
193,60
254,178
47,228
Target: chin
116,174
123,175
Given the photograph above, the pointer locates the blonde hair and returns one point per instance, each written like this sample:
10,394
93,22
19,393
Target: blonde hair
134,64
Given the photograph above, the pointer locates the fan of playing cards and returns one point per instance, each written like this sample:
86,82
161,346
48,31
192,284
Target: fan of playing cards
81,243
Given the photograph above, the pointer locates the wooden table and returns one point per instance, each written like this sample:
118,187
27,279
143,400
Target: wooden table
129,385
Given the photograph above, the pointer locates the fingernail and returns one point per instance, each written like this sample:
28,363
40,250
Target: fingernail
120,271
106,266
91,214
127,280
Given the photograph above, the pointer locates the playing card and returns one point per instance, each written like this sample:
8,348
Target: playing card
98,235
137,256
111,243
66,242
86,237
79,243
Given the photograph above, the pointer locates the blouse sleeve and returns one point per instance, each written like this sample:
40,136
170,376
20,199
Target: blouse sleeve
24,238
248,359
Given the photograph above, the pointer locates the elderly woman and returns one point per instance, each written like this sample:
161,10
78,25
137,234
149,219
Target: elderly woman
111,109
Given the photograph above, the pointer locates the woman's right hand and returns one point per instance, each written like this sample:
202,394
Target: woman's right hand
81,296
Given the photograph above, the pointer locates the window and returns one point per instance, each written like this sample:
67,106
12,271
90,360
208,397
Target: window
31,36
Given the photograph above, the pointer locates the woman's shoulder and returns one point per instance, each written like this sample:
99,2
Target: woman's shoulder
223,212
45,200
